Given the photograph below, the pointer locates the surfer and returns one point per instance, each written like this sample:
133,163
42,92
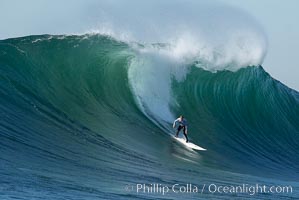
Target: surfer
182,125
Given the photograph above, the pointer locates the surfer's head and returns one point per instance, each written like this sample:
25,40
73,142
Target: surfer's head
181,117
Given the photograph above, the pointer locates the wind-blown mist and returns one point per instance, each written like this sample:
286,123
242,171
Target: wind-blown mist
218,34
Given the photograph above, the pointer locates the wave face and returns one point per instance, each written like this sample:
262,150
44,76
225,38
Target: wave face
81,116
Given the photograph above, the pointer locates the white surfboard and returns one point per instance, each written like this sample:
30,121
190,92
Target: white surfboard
189,144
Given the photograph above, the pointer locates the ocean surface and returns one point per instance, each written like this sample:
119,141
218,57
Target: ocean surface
90,117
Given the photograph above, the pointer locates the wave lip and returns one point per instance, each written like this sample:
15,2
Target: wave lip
221,36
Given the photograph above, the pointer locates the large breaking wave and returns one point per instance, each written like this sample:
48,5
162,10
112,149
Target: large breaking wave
94,105
83,115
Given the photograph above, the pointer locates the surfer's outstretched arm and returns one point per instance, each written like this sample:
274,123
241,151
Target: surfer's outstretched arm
174,123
